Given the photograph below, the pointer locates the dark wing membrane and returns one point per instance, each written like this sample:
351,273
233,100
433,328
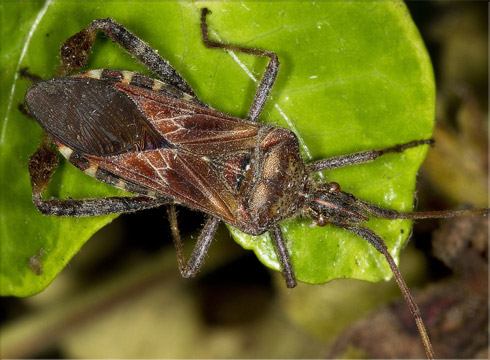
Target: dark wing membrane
187,125
91,116
185,177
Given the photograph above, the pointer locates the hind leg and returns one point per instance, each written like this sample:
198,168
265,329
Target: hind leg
41,167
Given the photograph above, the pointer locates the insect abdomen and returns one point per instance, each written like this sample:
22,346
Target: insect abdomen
139,80
92,169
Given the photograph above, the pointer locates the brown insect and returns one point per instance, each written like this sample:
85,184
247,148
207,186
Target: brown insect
158,140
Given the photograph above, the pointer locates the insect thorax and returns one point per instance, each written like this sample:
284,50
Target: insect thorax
279,182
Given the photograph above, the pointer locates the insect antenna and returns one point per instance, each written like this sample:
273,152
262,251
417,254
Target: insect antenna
393,214
378,243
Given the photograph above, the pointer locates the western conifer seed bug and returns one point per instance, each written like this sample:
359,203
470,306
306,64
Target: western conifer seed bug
156,139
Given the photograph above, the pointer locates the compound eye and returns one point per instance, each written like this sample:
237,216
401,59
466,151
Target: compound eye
321,221
333,187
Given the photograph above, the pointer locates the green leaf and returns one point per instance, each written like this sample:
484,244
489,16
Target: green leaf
353,76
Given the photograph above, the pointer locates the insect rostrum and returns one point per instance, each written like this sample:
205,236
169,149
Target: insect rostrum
158,140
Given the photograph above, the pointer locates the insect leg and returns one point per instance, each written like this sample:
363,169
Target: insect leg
191,268
363,157
174,227
42,165
22,107
26,74
378,243
75,51
268,78
283,255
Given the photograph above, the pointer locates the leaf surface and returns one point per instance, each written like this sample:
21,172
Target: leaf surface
353,76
